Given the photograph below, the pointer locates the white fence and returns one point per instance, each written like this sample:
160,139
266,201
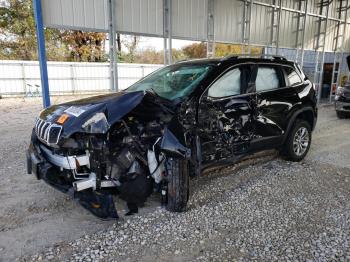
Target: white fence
22,78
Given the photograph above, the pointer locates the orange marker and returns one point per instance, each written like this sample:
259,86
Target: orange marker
63,118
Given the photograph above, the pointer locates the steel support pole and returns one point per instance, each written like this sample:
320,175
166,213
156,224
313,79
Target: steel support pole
170,36
250,25
167,32
278,27
303,41
112,46
41,52
210,29
320,76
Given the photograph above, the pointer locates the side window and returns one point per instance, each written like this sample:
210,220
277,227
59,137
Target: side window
267,79
292,76
227,85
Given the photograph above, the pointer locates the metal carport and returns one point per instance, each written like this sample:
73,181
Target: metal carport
318,25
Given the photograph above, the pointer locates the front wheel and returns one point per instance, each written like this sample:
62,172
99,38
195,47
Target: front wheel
178,184
298,141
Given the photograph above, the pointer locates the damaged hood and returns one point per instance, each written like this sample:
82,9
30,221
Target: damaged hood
77,113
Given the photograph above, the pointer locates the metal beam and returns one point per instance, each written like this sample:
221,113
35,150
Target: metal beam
167,31
320,55
246,25
112,46
210,29
41,52
339,50
300,45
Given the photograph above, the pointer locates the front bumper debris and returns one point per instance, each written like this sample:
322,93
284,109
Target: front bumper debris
46,166
65,162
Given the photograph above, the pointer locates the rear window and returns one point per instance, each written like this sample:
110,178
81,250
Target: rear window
267,79
293,77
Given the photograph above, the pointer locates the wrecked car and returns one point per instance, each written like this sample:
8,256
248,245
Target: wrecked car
342,97
165,129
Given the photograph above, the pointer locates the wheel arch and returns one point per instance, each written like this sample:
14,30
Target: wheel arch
307,114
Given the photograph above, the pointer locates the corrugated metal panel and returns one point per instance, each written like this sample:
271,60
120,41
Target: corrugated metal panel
261,25
288,29
189,19
140,16
76,14
347,39
228,21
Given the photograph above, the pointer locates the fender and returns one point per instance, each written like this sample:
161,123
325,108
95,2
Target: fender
171,146
174,142
294,117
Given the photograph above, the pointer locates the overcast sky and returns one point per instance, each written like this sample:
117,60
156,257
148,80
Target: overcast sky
157,43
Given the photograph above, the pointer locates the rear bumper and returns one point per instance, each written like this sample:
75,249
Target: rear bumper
342,106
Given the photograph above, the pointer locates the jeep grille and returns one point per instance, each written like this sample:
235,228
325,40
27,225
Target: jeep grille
47,132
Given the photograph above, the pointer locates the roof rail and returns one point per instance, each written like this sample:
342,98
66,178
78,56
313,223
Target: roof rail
277,57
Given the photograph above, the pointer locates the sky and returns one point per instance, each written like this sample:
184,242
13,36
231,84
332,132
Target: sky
157,43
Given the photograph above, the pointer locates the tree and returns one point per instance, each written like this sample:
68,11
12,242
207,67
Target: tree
85,46
18,35
222,50
131,44
196,50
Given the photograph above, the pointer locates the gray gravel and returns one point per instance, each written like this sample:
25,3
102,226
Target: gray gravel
273,211
265,209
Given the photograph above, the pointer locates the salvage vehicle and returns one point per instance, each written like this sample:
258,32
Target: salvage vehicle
165,129
342,101
342,97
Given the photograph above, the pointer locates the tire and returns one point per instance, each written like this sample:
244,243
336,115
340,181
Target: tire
295,146
341,115
178,184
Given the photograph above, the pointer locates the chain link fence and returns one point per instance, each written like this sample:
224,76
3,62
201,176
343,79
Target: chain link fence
22,78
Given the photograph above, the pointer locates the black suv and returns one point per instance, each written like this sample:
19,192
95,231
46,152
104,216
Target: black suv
166,128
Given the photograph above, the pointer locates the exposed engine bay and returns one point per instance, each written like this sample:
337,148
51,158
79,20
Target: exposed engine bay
126,158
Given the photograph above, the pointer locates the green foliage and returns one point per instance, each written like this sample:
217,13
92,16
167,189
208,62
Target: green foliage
196,50
18,41
18,37
85,46
222,50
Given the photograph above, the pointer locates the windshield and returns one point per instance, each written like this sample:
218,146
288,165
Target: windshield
171,82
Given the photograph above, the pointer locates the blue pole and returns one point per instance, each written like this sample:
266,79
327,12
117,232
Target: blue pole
41,52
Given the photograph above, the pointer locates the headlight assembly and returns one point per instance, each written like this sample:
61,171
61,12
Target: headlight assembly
97,124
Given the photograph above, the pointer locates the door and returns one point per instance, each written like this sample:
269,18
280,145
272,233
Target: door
276,96
225,115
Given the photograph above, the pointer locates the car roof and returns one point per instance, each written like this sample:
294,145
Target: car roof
238,59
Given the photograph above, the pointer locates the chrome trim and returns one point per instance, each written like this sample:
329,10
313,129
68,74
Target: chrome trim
66,162
43,131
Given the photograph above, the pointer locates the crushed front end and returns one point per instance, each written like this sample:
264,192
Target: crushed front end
93,152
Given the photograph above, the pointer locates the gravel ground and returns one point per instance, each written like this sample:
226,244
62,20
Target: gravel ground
264,209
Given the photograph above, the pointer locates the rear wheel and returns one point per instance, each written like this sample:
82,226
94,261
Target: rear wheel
178,184
298,141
